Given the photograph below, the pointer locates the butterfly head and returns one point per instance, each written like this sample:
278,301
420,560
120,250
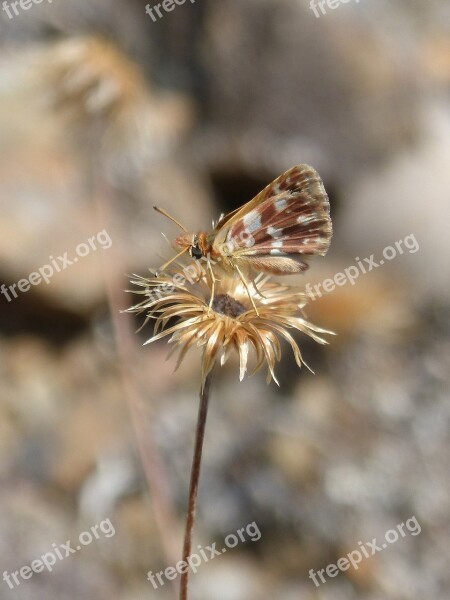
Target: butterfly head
193,243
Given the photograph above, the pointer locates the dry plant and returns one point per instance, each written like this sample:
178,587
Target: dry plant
229,324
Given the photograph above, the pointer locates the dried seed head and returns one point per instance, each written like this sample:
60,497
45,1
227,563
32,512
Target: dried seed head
226,305
231,324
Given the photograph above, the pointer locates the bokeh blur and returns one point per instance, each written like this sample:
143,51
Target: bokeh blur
107,109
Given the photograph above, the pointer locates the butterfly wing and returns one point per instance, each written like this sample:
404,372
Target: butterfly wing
288,181
286,222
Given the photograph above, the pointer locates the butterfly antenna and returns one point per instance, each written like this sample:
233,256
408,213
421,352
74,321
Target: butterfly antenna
163,212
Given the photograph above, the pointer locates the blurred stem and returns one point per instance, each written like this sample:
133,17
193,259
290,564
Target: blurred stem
135,383
195,475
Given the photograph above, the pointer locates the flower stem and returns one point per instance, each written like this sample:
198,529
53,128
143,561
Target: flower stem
193,486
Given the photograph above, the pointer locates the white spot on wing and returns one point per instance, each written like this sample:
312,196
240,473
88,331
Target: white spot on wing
280,204
252,222
273,232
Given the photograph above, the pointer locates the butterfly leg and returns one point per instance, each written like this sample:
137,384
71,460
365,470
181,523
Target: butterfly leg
257,290
246,287
213,282
165,265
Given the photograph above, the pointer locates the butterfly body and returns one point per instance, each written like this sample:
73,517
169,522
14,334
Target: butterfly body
287,222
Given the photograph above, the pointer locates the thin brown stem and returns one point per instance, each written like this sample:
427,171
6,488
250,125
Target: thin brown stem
193,486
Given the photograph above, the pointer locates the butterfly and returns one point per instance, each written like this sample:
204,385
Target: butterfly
275,233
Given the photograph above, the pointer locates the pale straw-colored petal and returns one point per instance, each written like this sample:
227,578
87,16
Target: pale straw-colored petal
243,349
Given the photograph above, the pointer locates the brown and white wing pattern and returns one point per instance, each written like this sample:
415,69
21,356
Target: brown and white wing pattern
285,223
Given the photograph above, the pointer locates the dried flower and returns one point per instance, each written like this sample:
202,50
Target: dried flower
91,77
231,324
108,100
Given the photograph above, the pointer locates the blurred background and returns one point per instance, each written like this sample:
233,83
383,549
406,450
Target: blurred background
106,111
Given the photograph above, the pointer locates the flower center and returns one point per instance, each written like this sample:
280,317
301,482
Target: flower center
226,305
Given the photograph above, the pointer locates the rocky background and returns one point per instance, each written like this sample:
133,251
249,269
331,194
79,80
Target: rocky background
104,113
